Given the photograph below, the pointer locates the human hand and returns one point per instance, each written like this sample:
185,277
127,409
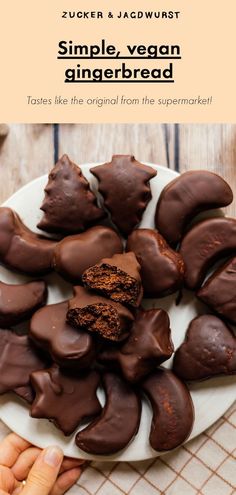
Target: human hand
45,471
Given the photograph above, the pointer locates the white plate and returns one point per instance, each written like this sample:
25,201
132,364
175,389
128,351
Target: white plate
211,398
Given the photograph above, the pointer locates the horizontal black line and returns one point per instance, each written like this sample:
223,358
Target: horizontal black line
122,81
118,58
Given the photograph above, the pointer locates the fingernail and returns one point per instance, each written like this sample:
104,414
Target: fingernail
53,456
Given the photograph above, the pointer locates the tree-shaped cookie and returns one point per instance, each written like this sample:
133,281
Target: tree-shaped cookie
69,205
124,185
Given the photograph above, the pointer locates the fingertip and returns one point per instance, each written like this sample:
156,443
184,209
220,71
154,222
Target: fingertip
66,481
53,456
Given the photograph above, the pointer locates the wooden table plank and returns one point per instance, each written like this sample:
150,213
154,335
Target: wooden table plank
211,147
98,142
26,153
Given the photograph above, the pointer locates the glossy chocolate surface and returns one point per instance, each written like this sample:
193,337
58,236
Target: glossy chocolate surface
20,248
118,422
204,244
124,185
74,254
18,302
69,347
63,398
69,205
186,196
219,291
173,413
209,350
162,269
18,359
148,345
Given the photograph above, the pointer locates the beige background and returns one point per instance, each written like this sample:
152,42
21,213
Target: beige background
206,465
29,35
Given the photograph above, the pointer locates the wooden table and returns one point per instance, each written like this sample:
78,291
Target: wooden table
207,464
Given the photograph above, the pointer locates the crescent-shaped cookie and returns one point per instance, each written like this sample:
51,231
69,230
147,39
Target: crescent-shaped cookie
219,291
205,243
173,413
118,423
186,196
20,248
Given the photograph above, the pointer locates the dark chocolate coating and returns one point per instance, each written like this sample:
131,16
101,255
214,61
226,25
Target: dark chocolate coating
148,345
74,254
18,302
20,248
204,244
69,347
63,398
186,196
162,269
173,413
94,313
69,205
118,422
124,185
219,291
18,359
209,350
118,278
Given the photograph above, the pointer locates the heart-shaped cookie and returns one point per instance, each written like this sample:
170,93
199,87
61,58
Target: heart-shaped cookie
162,269
209,350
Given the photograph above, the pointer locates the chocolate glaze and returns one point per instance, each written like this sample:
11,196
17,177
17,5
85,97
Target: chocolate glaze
173,413
118,422
219,291
69,347
74,254
162,269
185,197
63,398
209,350
20,248
18,302
148,345
204,244
18,358
69,205
124,185
94,313
118,278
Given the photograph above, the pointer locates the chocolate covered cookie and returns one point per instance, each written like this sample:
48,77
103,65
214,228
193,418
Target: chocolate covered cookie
124,185
69,205
118,278
63,398
69,347
162,269
204,244
118,422
219,291
18,302
74,254
173,413
18,359
108,319
148,345
209,350
20,248
186,196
